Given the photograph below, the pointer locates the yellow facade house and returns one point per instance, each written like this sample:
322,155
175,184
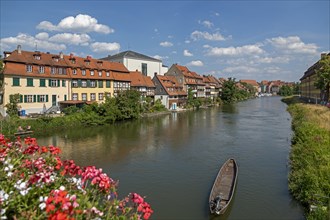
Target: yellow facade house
44,81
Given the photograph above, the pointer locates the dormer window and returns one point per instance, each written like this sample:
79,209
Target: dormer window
56,59
83,72
92,72
100,62
74,71
100,73
107,74
37,57
73,61
29,68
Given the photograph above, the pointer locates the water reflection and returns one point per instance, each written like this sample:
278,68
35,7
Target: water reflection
173,159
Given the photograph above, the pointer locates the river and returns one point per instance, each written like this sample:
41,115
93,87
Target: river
174,159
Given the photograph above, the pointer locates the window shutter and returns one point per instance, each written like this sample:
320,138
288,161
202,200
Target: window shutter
35,98
20,98
79,82
63,82
49,82
65,98
25,98
58,83
38,98
46,98
88,83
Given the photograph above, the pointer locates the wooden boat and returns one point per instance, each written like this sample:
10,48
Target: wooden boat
21,133
224,187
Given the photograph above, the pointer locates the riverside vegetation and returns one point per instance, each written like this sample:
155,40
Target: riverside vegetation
309,177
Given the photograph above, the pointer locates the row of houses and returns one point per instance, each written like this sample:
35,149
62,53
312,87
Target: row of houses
48,82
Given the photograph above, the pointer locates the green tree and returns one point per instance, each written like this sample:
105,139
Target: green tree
286,90
128,103
229,91
12,106
323,77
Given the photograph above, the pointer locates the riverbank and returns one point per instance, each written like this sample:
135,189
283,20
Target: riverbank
309,178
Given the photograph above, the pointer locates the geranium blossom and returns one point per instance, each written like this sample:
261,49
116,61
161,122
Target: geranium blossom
41,185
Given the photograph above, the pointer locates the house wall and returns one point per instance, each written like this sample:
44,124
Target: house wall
308,91
152,67
35,106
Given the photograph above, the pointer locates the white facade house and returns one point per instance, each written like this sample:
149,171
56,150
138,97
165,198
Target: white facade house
134,61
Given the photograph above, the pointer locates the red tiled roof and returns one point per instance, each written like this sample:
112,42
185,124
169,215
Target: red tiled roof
140,80
250,81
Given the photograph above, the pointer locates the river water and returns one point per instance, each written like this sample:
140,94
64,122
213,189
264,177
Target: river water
174,159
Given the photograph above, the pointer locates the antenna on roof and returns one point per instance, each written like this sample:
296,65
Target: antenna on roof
36,46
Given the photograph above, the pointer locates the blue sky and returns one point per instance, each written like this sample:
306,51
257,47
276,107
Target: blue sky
261,40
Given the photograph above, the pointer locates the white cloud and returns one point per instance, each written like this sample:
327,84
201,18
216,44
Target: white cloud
166,44
195,63
240,69
30,42
100,47
187,41
196,35
235,51
292,44
75,39
206,23
81,23
42,36
187,53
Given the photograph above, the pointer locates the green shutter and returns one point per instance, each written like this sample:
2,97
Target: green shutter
25,98
63,82
79,82
58,83
107,83
46,98
100,84
34,98
65,98
16,81
38,98
49,82
88,83
20,98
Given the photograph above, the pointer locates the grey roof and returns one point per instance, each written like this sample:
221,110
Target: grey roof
130,54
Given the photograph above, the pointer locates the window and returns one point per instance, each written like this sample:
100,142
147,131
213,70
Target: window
29,82
75,83
42,83
53,70
84,96
100,73
41,69
144,69
29,98
107,84
83,72
73,61
92,72
29,68
42,98
107,74
93,96
93,83
63,83
108,94
54,83
101,95
60,70
16,81
37,57
74,96
83,83
74,72
100,83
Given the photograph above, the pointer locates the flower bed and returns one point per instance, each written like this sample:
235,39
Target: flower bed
36,184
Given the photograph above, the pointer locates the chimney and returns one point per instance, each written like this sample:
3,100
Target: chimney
89,57
71,55
19,49
61,55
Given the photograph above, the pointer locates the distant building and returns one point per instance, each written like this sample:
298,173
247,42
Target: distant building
143,84
308,90
136,61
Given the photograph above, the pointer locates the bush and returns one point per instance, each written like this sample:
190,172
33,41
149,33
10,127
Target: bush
36,184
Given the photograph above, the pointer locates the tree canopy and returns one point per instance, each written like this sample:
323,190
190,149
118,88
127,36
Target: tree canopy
323,77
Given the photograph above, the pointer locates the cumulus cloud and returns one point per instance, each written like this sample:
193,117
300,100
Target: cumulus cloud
195,63
166,44
160,57
42,36
206,23
81,23
100,47
197,35
292,44
240,69
29,41
235,51
75,39
187,53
